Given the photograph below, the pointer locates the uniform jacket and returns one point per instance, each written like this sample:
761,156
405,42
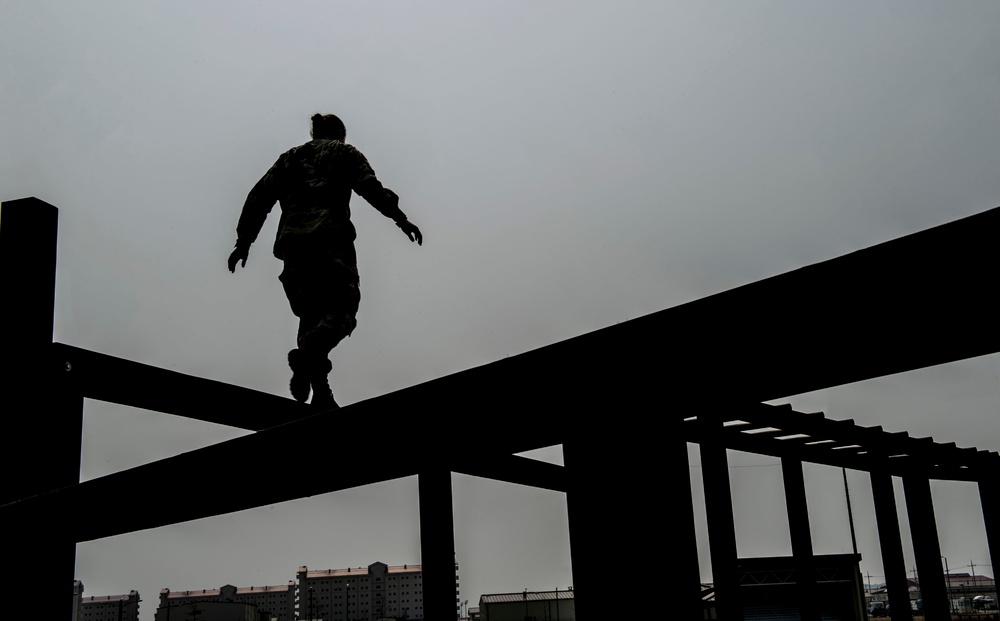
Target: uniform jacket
313,184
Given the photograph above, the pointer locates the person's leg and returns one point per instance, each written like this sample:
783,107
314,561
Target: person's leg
301,367
294,279
338,297
324,293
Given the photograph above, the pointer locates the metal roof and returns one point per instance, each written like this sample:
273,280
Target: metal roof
531,596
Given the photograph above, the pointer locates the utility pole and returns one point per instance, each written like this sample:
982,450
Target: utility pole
975,587
947,573
850,514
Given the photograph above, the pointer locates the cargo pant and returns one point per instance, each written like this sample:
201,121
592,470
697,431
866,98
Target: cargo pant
323,288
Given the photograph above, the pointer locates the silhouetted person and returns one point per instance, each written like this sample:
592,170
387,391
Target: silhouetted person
313,184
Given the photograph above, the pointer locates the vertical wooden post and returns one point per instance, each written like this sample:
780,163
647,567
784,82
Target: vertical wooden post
43,418
721,530
587,497
437,544
683,546
989,497
616,479
891,543
926,548
801,536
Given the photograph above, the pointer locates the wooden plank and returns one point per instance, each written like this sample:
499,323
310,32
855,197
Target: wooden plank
115,380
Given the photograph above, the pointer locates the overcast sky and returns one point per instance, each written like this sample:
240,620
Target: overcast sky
571,165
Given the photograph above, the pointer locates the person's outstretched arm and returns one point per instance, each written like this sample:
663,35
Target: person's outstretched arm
383,199
259,203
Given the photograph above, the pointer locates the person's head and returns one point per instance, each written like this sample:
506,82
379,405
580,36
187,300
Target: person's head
328,126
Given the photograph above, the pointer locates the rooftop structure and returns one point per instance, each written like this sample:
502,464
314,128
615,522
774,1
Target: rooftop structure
277,601
528,606
377,591
124,607
364,593
843,320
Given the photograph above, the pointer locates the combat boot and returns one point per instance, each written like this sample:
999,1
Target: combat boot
299,363
322,399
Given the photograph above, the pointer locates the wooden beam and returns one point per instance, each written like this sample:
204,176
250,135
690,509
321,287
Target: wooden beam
42,415
514,469
115,380
437,543
243,481
890,542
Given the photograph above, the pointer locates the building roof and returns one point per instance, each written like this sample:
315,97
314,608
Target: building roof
109,598
357,571
958,579
278,588
283,588
531,596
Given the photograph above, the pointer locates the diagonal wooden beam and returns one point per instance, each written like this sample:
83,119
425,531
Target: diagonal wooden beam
241,473
916,301
515,469
844,320
115,380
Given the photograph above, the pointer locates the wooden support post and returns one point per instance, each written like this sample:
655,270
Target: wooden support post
614,478
680,543
43,415
721,531
588,546
891,544
437,544
926,548
989,496
801,536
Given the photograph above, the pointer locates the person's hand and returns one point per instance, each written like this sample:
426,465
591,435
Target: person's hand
411,231
239,255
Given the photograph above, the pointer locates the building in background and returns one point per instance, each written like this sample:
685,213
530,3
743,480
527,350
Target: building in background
378,591
374,593
255,602
963,589
528,606
213,611
104,607
77,596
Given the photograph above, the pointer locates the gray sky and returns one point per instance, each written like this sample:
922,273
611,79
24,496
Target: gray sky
571,164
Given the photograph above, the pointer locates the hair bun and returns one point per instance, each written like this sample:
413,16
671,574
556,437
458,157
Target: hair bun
328,126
